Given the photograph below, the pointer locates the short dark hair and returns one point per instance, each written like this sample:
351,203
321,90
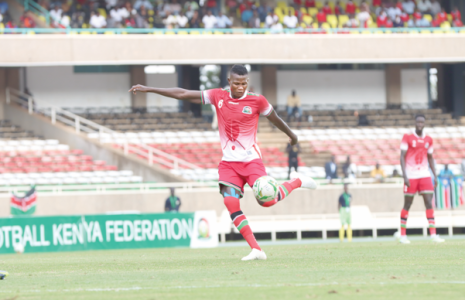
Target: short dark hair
240,70
420,116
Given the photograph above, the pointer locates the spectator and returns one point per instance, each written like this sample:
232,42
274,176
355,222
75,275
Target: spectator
363,16
310,3
293,155
293,106
395,174
404,17
222,21
189,12
327,9
77,19
110,4
141,18
338,10
349,169
170,21
271,19
343,207
3,8
424,6
209,20
408,6
331,168
394,12
246,15
435,7
26,20
290,20
377,173
442,16
55,15
350,7
398,22
195,21
353,22
382,19
277,27
182,20
457,23
65,21
456,15
321,17
174,7
139,3
377,3
254,22
211,5
131,21
97,20
446,172
116,17
172,203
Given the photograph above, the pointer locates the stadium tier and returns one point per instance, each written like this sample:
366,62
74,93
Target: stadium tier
30,160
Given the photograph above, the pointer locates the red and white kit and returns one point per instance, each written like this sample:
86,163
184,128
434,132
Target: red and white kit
237,124
416,163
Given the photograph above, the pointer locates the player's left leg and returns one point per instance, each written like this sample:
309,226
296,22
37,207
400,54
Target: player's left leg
349,229
427,190
286,188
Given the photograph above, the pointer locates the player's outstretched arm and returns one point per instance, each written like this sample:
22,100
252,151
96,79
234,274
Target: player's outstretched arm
278,122
176,93
433,168
402,166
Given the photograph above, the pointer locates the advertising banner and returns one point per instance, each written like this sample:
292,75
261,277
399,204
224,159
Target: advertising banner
96,232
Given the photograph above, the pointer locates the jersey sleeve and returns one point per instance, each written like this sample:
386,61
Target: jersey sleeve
431,148
404,143
265,107
209,96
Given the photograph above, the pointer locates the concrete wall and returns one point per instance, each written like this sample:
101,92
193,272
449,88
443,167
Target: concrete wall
66,135
62,87
163,81
414,87
333,87
379,198
223,49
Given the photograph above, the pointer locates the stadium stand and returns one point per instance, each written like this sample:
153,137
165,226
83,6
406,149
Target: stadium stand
29,159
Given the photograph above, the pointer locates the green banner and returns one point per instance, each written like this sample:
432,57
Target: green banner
94,232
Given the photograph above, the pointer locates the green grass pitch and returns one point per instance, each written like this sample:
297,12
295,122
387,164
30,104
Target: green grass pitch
369,270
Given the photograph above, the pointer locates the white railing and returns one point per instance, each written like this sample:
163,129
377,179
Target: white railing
81,125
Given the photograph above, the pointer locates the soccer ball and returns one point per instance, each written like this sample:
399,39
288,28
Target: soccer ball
265,189
19,248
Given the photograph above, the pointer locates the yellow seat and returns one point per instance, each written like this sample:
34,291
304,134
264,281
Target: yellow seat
307,19
379,32
462,31
366,32
332,20
182,32
109,32
343,19
429,18
312,11
325,26
319,4
424,31
85,25
413,32
450,18
102,12
124,32
438,32
303,10
31,32
445,25
289,9
354,32
388,31
85,32
207,32
331,4
315,26
282,4
218,32
195,32
170,32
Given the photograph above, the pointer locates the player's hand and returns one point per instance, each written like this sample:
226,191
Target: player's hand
139,88
406,182
435,182
293,140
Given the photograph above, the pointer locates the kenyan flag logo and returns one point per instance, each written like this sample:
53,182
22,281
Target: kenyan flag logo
247,110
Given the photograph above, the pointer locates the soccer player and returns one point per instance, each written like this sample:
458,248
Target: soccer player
416,154
344,213
238,111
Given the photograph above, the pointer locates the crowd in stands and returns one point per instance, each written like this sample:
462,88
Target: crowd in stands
208,14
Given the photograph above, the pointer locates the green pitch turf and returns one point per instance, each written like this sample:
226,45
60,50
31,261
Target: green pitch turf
373,270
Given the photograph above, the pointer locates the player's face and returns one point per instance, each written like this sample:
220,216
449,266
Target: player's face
419,123
238,84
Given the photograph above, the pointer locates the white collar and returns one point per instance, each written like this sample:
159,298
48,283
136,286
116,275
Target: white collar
243,96
423,135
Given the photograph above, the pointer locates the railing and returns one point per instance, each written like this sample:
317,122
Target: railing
150,154
201,31
36,8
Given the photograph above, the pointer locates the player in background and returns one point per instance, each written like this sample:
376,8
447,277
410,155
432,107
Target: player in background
415,156
343,206
238,111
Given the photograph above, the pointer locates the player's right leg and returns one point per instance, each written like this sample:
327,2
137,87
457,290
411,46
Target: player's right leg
408,200
428,199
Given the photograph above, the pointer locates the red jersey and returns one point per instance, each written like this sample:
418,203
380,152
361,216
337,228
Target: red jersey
416,159
456,15
350,8
321,17
327,10
238,122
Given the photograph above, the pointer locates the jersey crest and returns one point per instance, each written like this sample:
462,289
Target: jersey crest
247,110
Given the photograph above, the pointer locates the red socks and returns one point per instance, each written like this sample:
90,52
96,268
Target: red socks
284,190
403,222
432,223
240,221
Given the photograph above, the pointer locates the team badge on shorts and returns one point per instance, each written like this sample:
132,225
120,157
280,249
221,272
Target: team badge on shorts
247,110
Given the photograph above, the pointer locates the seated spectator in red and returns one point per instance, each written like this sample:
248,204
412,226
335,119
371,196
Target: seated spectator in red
377,3
404,17
442,16
399,4
350,7
436,22
338,10
382,19
310,3
389,24
417,15
27,21
327,9
298,3
457,23
321,17
456,15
